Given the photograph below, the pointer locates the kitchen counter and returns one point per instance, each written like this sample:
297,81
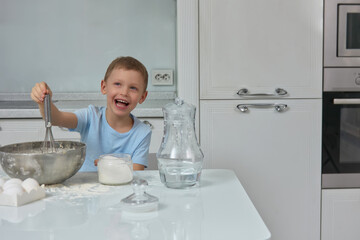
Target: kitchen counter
21,106
81,208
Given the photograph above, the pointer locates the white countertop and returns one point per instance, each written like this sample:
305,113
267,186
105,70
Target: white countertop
21,106
82,208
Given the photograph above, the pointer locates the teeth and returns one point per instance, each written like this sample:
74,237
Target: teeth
122,101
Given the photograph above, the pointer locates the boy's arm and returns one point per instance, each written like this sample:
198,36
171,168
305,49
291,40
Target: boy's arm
58,118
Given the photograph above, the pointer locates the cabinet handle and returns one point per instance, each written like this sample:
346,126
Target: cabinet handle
244,92
148,123
278,107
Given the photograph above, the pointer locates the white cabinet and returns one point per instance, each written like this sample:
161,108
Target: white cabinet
276,156
340,214
25,130
157,127
28,130
20,130
260,45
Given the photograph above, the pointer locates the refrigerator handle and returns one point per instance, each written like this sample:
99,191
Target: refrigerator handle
244,92
278,107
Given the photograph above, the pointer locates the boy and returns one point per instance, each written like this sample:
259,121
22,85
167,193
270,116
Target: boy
110,129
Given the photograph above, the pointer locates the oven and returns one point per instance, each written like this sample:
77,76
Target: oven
341,95
341,129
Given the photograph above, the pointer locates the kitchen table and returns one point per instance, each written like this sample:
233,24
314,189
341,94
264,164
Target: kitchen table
82,208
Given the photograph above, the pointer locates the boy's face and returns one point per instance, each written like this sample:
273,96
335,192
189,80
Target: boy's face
124,90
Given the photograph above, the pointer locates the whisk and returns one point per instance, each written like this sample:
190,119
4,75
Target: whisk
48,145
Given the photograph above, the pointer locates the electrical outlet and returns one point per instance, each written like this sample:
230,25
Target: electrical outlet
162,77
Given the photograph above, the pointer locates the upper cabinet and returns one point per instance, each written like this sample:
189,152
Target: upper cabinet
260,45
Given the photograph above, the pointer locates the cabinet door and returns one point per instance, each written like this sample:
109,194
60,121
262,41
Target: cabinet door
276,156
20,130
260,45
340,214
157,128
29,130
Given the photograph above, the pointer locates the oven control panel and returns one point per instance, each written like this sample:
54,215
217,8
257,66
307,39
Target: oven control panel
341,79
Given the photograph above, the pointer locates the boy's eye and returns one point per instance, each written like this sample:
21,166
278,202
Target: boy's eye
133,88
117,84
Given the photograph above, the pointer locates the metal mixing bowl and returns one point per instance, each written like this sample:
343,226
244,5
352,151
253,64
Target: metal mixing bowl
24,160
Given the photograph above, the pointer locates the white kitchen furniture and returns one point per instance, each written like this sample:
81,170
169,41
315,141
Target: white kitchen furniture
340,214
270,138
82,208
276,156
24,130
260,46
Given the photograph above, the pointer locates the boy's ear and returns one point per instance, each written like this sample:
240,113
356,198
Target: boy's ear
103,87
143,97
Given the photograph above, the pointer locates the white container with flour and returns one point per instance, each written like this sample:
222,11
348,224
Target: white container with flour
115,169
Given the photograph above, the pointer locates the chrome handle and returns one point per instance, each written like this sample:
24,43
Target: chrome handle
47,110
148,123
244,92
278,107
339,101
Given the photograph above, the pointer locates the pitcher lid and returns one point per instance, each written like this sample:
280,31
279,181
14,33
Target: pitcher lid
179,106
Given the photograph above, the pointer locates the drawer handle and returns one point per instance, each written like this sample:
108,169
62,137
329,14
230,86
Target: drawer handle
148,123
244,92
278,107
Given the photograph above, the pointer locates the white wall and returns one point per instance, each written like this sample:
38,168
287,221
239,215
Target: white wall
70,43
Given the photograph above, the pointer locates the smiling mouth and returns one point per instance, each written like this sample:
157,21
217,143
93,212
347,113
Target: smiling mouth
120,102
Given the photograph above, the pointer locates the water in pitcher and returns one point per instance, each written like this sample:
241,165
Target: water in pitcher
179,173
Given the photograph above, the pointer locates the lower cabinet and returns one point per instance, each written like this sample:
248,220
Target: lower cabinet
340,214
28,130
157,127
276,155
21,130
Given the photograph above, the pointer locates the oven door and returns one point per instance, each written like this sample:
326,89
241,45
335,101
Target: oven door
349,30
341,140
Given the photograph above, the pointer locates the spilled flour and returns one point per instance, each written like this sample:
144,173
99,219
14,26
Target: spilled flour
60,191
77,191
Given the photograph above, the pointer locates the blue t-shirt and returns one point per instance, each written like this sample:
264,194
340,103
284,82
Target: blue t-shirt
101,139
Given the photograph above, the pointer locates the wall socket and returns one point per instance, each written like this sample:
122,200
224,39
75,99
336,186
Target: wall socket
162,77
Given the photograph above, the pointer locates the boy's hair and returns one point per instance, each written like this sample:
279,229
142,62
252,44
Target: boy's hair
128,63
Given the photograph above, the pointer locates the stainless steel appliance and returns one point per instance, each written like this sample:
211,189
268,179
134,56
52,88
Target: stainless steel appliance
342,33
341,97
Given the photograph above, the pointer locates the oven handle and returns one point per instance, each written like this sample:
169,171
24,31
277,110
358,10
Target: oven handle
339,101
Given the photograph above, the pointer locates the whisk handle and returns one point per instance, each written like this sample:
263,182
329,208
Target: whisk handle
47,110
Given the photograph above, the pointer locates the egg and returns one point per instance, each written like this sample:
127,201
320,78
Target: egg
14,190
30,184
12,181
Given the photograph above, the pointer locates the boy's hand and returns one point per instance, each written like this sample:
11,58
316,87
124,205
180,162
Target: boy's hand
38,92
96,162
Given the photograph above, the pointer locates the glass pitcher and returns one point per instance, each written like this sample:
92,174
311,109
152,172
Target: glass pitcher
179,157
